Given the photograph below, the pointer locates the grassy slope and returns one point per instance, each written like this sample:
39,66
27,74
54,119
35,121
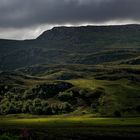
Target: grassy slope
124,92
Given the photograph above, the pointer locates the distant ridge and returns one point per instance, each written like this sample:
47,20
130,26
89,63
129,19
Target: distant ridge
80,27
73,45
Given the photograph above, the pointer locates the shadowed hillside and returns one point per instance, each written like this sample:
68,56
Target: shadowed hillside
72,70
78,45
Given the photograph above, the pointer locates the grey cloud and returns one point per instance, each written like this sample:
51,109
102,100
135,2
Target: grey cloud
26,13
23,33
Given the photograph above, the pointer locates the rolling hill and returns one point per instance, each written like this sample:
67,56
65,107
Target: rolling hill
73,70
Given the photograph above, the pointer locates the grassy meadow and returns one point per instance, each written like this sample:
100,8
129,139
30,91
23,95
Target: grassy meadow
69,127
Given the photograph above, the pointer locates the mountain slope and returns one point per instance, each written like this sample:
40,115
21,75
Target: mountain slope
78,45
77,89
76,70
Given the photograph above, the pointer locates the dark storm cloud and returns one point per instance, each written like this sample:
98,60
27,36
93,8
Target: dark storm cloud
25,13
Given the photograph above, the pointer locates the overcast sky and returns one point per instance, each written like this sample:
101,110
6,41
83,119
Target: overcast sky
24,19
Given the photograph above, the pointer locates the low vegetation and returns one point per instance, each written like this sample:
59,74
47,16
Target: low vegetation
79,128
103,90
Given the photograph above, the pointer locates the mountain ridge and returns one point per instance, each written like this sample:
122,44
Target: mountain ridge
79,45
65,27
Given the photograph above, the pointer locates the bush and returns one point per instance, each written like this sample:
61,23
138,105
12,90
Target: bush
7,108
59,108
26,105
65,96
44,103
38,110
37,102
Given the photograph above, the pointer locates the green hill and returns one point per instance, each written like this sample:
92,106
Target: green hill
75,89
72,70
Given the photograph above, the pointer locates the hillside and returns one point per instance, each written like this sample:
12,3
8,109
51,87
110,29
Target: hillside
72,70
77,45
75,89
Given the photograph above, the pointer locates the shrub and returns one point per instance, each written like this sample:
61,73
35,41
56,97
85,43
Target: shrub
59,108
44,103
26,105
37,102
38,110
65,96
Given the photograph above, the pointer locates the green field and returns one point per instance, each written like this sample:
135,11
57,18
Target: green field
81,127
85,120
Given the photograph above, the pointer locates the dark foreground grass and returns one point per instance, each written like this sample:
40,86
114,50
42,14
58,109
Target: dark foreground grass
72,128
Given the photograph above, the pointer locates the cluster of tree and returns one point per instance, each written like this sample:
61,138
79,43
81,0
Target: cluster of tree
36,106
82,97
66,99
34,100
45,91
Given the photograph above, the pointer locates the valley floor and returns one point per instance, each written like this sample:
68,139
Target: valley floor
68,128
